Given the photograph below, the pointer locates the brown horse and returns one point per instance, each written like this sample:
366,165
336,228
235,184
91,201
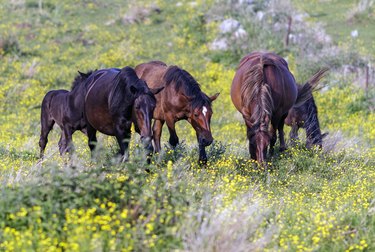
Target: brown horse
263,90
182,99
305,116
114,99
66,109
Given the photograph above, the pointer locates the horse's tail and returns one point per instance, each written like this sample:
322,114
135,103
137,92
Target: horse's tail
46,120
313,133
257,91
45,106
305,92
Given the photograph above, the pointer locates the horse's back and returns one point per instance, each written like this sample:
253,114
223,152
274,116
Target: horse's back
53,105
54,98
152,72
276,74
99,86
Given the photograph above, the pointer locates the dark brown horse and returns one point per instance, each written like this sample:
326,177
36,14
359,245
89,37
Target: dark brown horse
66,109
114,99
182,99
305,116
263,90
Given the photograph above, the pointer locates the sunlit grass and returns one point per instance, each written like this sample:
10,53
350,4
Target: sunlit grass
302,200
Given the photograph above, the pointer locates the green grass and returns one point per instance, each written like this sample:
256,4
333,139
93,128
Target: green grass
338,19
306,200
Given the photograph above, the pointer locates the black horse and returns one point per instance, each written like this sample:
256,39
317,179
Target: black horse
305,116
116,98
66,109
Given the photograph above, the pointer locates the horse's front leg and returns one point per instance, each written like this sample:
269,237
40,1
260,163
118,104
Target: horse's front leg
252,144
123,138
157,129
281,133
273,138
202,152
173,138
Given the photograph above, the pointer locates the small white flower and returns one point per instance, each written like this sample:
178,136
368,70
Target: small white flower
354,33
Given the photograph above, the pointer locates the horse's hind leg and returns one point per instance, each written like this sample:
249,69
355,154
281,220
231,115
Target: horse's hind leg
46,126
91,134
62,143
281,133
123,139
65,142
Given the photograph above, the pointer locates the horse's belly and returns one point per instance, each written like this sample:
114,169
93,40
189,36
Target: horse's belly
101,121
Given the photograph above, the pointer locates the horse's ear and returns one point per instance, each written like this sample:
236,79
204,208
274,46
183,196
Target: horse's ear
212,98
85,75
324,135
156,90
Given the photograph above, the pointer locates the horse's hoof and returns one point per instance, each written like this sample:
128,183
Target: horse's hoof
282,149
202,162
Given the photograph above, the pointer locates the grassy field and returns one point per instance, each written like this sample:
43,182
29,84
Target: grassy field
308,200
340,18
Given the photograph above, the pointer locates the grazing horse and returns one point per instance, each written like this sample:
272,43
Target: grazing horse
182,99
305,116
66,109
263,90
114,99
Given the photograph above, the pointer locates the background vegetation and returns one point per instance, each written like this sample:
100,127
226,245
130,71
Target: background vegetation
308,199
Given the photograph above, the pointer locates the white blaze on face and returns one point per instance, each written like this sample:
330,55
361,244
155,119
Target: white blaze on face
204,111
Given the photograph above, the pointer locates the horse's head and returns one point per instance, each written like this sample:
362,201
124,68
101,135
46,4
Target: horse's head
200,119
262,139
143,109
259,139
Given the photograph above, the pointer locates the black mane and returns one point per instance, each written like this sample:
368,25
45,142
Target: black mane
191,88
121,98
81,77
313,133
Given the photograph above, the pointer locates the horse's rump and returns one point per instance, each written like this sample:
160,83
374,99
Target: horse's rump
268,88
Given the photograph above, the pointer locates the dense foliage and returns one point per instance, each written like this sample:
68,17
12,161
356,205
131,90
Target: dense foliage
305,200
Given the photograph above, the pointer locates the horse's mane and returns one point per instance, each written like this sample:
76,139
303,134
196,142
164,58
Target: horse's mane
81,77
191,88
121,83
121,96
256,93
311,124
157,62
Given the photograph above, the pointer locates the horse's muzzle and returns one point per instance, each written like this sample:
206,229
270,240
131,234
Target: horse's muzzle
205,141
